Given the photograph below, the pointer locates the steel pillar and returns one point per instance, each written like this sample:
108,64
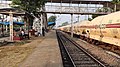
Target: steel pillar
71,25
61,6
78,11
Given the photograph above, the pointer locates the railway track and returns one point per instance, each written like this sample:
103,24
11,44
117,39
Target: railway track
73,55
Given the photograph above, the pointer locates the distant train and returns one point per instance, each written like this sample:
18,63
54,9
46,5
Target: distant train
104,28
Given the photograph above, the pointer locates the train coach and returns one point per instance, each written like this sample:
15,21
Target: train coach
104,28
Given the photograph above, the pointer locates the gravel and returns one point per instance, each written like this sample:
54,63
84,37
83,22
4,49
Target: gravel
106,56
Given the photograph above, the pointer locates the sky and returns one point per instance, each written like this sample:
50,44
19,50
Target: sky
61,18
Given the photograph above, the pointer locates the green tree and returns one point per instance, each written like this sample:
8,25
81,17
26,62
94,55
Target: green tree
95,15
89,19
52,19
65,23
103,9
115,2
31,6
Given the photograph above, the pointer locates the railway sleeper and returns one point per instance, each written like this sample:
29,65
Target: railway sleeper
82,37
90,41
74,50
94,42
88,65
84,63
116,47
81,59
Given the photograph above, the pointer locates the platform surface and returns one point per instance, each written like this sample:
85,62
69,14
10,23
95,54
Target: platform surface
46,54
4,38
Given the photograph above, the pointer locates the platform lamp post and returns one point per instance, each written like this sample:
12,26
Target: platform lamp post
11,26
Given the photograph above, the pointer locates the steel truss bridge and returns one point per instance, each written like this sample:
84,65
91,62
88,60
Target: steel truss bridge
59,8
83,10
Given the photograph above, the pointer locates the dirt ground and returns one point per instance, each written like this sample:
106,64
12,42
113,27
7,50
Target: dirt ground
12,54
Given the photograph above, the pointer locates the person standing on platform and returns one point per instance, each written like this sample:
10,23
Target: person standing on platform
22,33
43,31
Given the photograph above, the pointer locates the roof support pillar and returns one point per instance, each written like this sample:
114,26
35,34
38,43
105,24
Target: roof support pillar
11,26
6,29
2,25
41,23
61,6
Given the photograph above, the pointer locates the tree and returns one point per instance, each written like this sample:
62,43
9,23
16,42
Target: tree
31,6
89,19
65,23
52,19
103,9
115,2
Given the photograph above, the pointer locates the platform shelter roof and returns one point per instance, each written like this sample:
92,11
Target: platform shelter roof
7,23
14,11
51,23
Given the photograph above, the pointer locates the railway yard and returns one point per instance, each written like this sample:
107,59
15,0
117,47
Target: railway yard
47,52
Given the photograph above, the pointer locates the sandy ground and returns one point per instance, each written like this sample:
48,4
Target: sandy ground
12,55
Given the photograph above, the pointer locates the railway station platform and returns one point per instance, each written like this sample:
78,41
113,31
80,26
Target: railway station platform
46,54
4,39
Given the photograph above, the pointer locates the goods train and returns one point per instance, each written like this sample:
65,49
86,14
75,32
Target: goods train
105,28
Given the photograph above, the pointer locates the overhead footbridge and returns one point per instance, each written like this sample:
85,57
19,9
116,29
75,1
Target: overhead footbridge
78,7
